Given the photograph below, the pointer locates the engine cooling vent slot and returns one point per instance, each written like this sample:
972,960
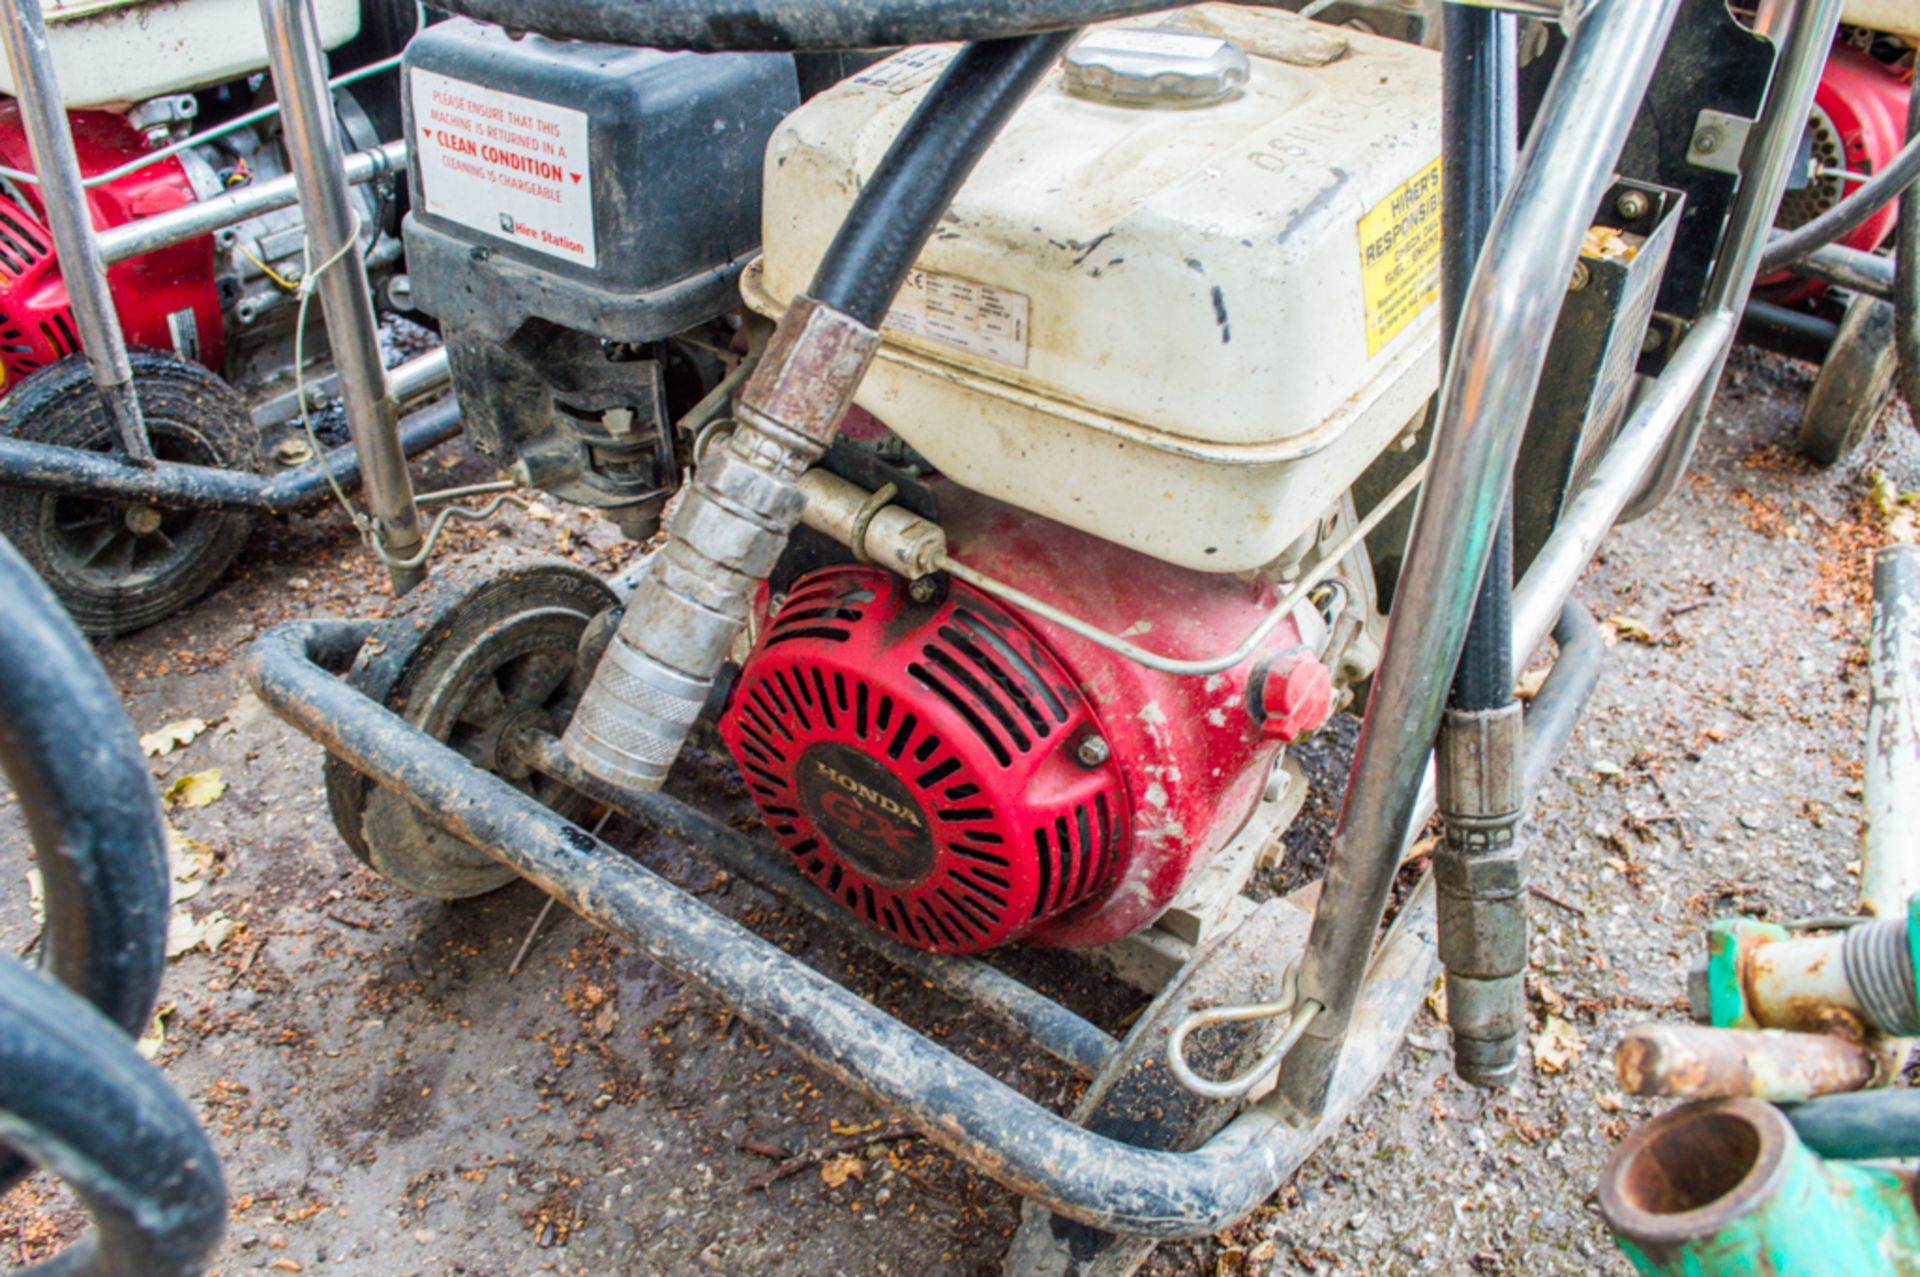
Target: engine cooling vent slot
36,326
23,244
918,762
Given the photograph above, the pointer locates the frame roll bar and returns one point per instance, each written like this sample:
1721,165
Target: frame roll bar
163,230
1102,1182
43,114
175,485
1809,26
1067,1037
1108,1184
1590,516
1490,386
314,148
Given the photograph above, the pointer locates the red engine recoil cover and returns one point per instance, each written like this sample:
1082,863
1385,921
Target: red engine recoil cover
1861,111
922,762
36,321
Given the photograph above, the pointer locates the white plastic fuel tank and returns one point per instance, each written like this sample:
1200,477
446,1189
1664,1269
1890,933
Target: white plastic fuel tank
116,52
1185,300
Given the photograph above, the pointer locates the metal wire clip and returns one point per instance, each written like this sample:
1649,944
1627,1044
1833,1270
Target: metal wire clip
1287,1004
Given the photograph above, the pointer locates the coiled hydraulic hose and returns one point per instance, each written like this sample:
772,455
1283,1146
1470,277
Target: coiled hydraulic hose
99,838
712,26
75,1097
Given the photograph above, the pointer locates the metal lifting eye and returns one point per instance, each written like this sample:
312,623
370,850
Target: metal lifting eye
1287,1004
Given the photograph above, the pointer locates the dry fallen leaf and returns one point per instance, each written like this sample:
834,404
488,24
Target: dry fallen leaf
1631,628
1437,999
839,1127
36,898
185,933
1531,682
163,741
1556,1046
156,1035
843,1168
197,790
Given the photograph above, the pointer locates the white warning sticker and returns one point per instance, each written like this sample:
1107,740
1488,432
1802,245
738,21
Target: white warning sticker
507,166
963,313
907,70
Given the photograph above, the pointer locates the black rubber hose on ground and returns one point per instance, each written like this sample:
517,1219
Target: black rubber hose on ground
710,26
1788,247
1860,1126
99,839
923,170
76,1097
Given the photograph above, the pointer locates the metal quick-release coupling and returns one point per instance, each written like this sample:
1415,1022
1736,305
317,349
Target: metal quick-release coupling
730,529
1480,877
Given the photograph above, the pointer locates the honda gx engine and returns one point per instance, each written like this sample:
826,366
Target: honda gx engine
1112,524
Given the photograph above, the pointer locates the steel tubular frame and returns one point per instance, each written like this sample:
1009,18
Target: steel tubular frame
1804,31
139,477
1373,988
43,113
1485,401
298,65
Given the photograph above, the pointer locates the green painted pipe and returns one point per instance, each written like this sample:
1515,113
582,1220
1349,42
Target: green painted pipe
1726,1189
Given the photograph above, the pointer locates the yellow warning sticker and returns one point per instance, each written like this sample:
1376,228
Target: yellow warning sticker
1400,257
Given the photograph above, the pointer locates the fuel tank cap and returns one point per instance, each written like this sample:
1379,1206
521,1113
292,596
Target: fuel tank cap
1155,67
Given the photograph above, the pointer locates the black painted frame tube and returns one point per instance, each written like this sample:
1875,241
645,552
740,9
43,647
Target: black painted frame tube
43,467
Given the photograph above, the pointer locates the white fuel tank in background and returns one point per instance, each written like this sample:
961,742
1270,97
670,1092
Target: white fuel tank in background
1186,299
114,52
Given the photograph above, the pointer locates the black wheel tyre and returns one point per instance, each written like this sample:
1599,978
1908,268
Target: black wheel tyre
121,566
489,645
1854,385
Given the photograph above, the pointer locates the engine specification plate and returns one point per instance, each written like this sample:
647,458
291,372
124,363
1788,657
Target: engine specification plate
1400,257
505,165
963,313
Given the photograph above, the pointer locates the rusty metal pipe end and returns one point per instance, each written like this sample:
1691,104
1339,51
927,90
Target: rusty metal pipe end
1695,1063
1693,1172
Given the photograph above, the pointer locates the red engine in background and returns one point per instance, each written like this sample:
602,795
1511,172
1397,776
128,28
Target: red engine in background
1859,122
167,300
961,776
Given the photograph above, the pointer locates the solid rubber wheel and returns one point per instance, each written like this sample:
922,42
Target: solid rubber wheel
120,566
1855,384
487,646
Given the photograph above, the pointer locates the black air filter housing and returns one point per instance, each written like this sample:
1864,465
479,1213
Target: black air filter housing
674,146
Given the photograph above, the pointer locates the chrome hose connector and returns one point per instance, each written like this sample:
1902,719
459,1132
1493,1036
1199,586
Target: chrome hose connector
726,536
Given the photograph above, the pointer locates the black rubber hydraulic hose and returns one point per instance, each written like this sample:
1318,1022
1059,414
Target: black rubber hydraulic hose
1906,279
1481,134
713,26
99,839
77,1098
923,170
1784,249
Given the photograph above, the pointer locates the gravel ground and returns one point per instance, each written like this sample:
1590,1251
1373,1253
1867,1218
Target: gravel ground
388,1099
